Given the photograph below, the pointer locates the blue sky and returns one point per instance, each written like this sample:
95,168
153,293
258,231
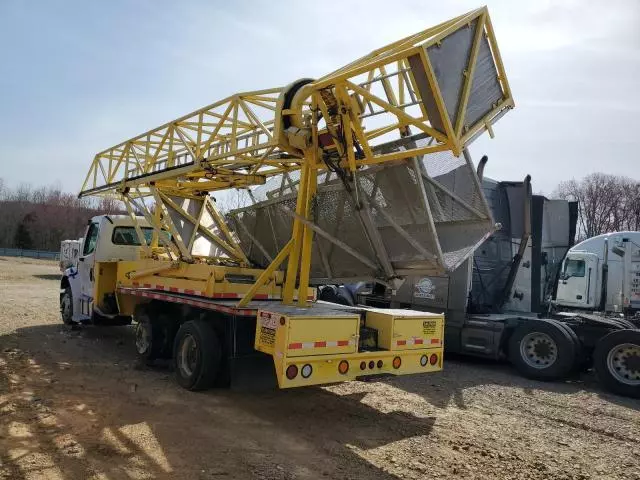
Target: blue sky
79,76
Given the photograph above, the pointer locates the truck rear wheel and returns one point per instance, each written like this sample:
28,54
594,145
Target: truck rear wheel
66,306
579,359
148,342
617,362
196,355
542,350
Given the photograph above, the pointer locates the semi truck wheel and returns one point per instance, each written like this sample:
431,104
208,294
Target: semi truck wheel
542,350
196,355
579,359
66,306
617,362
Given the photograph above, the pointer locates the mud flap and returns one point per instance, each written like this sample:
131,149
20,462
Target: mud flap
252,373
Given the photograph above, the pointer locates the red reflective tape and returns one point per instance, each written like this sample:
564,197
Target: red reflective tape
224,295
295,346
189,292
418,341
261,296
402,342
435,340
343,343
147,285
319,344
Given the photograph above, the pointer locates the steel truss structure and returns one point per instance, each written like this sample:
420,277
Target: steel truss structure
446,84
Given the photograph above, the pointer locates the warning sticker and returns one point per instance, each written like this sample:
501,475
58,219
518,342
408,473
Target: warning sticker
269,320
268,325
429,327
267,336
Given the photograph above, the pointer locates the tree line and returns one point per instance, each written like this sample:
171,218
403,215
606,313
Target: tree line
606,203
40,218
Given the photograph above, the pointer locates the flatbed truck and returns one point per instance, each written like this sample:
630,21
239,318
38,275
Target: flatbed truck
176,268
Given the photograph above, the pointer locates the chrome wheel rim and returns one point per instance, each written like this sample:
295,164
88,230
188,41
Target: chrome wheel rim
143,338
65,306
623,362
188,356
538,350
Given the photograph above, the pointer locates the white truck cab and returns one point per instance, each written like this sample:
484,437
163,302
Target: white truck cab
108,238
602,273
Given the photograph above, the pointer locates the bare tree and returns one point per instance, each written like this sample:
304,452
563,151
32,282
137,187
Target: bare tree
606,203
41,217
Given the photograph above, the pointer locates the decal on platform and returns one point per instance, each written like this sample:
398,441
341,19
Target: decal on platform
268,325
429,327
424,289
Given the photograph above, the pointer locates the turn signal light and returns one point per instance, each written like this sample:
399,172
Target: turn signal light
397,361
433,359
343,367
292,372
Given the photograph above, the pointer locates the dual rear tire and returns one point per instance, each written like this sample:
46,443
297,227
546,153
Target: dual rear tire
195,348
550,350
196,355
544,349
617,362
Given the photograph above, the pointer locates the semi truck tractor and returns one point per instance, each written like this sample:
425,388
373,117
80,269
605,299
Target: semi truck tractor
602,274
364,142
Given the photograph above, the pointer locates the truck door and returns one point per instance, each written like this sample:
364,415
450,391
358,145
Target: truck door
86,264
577,287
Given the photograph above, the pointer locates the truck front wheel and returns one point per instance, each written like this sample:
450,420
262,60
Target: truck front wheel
617,362
66,306
196,355
542,350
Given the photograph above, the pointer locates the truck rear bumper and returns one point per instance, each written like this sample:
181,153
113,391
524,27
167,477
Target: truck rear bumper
323,369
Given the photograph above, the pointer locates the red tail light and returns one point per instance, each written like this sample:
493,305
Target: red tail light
292,372
343,367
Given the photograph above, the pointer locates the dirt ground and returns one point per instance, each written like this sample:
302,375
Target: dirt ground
74,406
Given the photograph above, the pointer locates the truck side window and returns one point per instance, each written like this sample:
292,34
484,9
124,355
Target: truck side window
91,240
574,268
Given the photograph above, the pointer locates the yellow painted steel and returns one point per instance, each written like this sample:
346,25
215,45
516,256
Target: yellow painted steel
325,368
246,138
314,339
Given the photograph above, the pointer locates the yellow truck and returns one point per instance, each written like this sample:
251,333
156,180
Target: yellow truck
366,175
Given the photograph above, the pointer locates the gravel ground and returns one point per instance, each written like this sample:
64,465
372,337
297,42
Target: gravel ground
73,406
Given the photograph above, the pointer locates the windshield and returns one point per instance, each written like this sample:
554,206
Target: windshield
128,235
573,268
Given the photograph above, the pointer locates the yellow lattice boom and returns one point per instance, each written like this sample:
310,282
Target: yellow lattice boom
445,84
238,141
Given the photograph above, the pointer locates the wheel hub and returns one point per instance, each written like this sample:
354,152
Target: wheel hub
65,305
538,350
623,362
188,356
143,338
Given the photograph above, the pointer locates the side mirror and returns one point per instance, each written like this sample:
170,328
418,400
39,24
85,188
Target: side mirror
618,251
